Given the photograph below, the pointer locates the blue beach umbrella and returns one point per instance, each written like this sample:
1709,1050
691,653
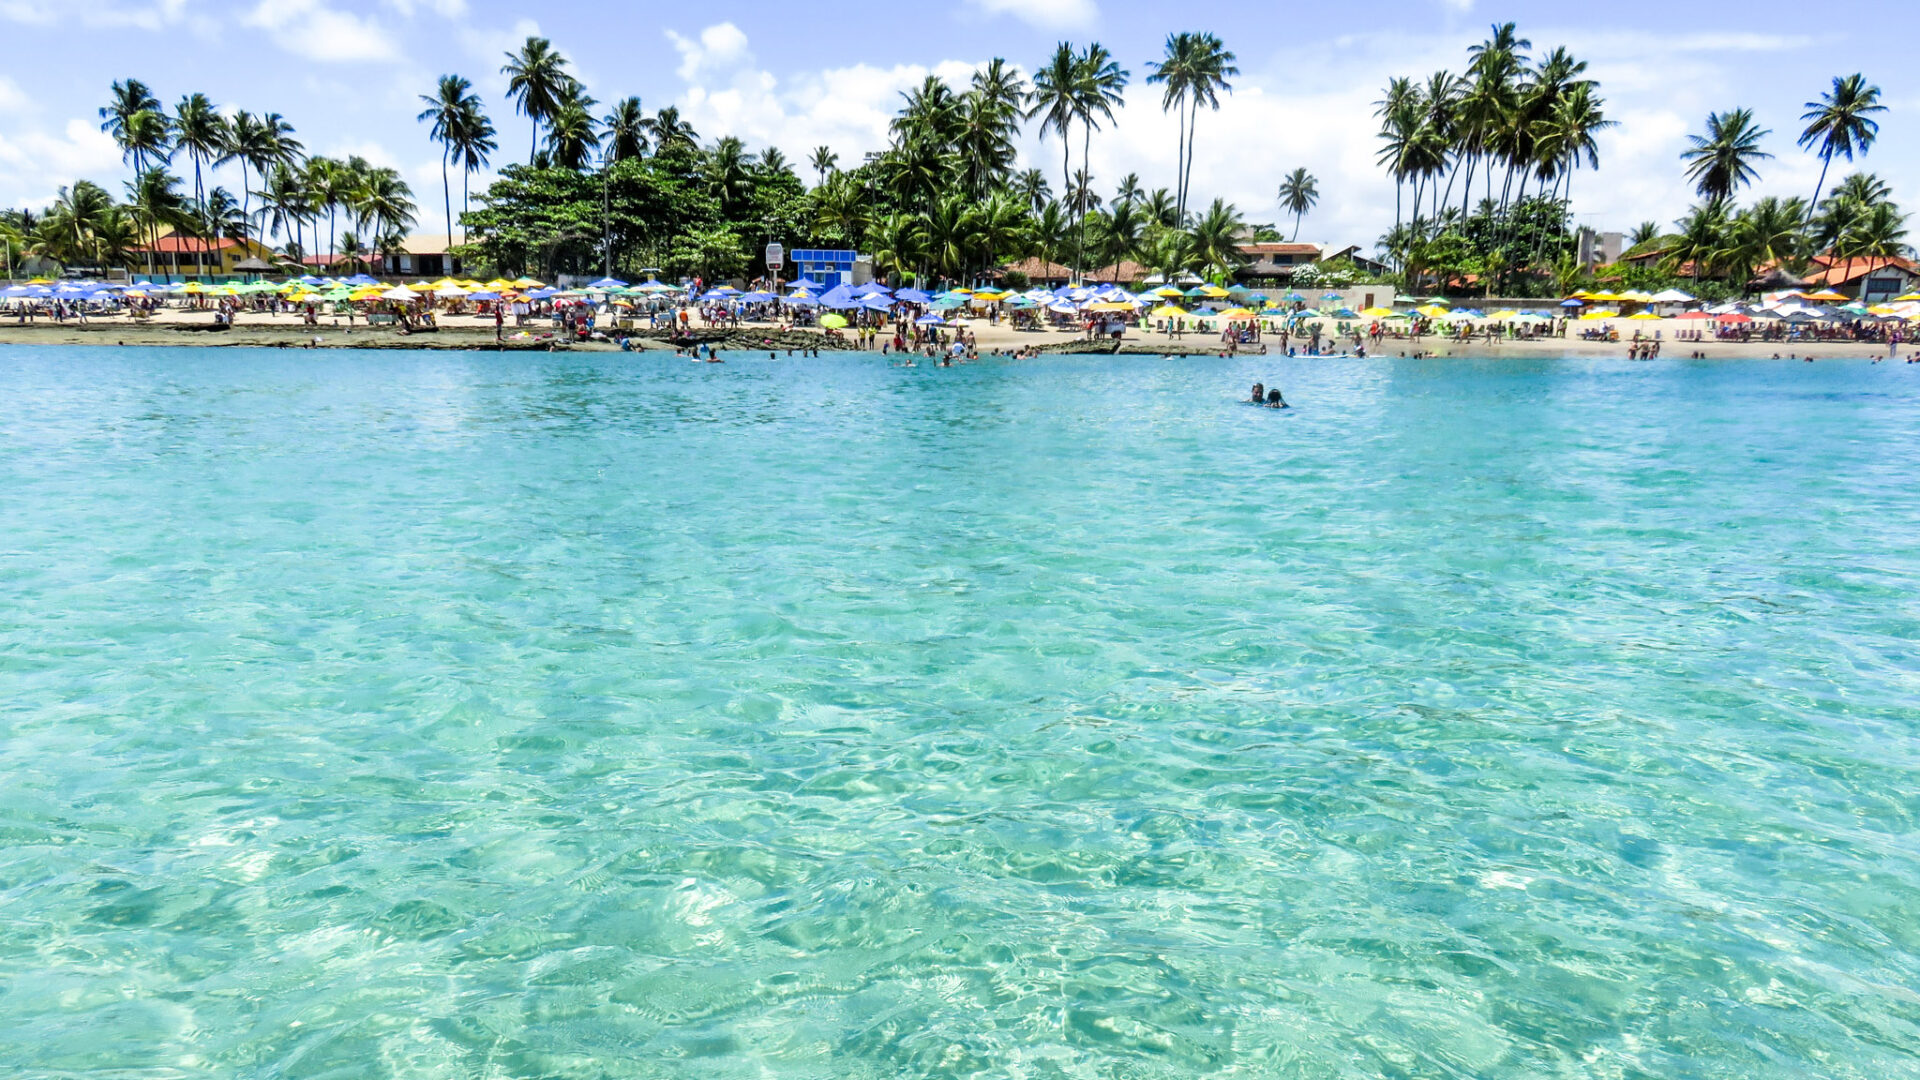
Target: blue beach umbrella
1573,303
808,284
871,288
802,300
755,297
483,295
876,302
608,283
840,297
912,296
930,320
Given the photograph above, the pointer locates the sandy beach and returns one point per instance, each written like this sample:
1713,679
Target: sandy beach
252,330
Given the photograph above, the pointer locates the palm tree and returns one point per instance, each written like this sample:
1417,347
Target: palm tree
729,172
1033,189
1129,192
823,162
329,184
626,130
571,135
446,108
667,129
142,131
1216,239
270,146
202,133
1299,193
156,205
282,203
1054,99
1642,233
381,202
1721,161
1769,233
473,146
1841,123
1212,67
537,79
1097,87
1701,240
1174,73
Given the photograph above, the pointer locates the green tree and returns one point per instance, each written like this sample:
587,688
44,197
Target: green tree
1722,161
538,81
1299,193
1841,123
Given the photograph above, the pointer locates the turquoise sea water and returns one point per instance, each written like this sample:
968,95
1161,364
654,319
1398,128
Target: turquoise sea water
466,715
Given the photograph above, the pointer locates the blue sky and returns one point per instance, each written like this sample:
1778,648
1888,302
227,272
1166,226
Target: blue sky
347,75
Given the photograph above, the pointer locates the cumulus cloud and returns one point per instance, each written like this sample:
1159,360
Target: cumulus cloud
1045,14
35,163
319,31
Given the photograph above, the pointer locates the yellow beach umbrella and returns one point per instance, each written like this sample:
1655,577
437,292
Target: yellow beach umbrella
1168,311
833,322
1907,299
1601,313
527,283
1645,316
1434,311
1110,305
1825,295
1213,291
1167,291
1232,314
498,285
1376,313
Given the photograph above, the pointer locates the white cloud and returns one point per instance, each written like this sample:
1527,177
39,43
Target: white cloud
448,9
1045,14
12,98
312,29
34,163
102,15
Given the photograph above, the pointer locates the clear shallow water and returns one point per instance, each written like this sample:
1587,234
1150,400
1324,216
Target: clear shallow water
464,715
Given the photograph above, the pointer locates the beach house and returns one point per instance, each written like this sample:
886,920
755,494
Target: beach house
174,255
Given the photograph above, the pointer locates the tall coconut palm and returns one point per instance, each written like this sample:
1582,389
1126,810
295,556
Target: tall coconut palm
538,81
626,130
1842,123
667,129
1033,189
1212,67
1174,74
823,161
1099,85
1299,193
1054,99
1722,161
272,146
201,132
572,136
446,107
473,147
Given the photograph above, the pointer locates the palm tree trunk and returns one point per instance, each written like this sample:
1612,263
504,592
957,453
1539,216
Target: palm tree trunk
1080,245
1826,160
1192,123
446,191
1180,163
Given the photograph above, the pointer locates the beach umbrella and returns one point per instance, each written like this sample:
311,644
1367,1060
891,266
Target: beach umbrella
483,294
608,283
1573,302
1346,313
871,288
833,322
802,301
1021,303
756,297
876,302
913,296
1336,297
1376,313
1197,290
1110,306
1238,314
1645,316
1167,311
841,297
543,294
1433,311
1733,317
527,283
930,320
1307,313
1601,313
400,292
1827,295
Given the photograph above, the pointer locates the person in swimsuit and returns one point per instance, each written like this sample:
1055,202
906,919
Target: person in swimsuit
1259,393
1274,400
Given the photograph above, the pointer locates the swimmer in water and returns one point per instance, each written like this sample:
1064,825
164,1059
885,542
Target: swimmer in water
1275,401
1259,394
